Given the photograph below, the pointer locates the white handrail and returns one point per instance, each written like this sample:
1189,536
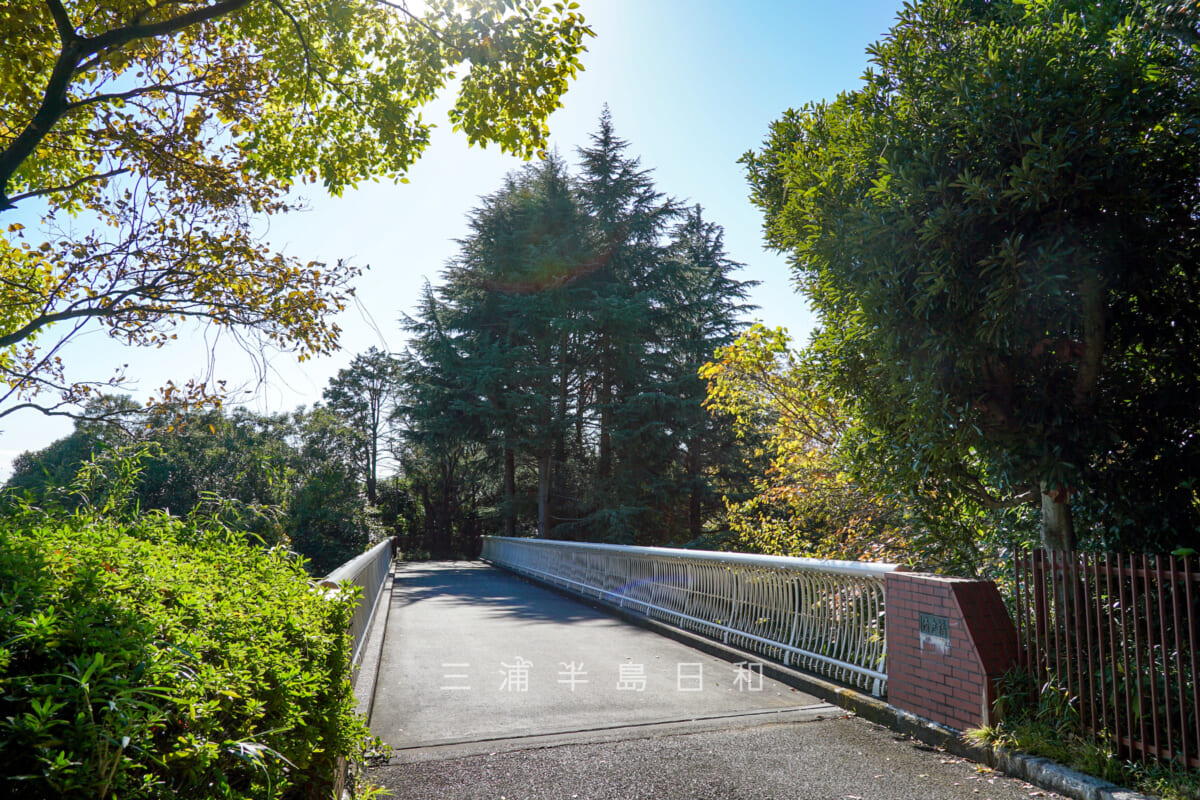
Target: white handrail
368,570
824,616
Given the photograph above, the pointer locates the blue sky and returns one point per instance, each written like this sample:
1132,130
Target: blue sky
691,85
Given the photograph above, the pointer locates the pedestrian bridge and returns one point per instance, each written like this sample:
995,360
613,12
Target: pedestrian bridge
524,675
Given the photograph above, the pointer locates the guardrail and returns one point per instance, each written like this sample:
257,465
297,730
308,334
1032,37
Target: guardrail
823,616
369,571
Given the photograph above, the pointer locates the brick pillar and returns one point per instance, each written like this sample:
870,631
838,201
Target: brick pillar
948,641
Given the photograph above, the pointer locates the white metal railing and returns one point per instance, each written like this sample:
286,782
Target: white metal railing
368,570
823,616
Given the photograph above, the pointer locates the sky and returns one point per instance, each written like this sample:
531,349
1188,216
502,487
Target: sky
691,86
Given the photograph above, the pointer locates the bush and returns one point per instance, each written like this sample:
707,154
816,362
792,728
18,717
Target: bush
1050,727
150,659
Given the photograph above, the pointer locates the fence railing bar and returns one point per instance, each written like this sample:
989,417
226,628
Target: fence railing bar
1055,616
368,570
1193,621
1073,636
1126,635
1164,640
1181,677
768,604
1097,610
1121,633
1040,616
1110,615
1018,596
865,672
1088,673
1150,739
1136,724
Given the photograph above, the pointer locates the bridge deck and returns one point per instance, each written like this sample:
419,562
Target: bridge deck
489,686
477,656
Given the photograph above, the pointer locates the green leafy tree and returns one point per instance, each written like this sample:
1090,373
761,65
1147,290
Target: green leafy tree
362,395
148,136
441,421
278,478
999,231
328,520
810,496
500,331
629,219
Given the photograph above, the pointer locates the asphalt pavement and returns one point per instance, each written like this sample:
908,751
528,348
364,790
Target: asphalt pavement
491,687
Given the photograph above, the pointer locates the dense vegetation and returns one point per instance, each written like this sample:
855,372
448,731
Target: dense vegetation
551,383
999,231
147,657
287,479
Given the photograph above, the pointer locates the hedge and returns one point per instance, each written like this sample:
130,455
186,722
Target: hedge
150,660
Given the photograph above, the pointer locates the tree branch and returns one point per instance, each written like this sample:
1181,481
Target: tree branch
74,48
1092,295
74,185
120,37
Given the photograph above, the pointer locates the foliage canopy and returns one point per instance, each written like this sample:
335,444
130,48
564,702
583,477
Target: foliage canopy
999,230
561,352
150,135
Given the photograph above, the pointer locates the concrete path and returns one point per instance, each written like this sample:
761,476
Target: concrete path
491,687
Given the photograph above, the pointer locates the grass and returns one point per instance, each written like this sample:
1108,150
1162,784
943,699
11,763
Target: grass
1050,728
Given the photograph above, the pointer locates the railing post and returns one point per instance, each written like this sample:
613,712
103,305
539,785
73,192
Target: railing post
949,642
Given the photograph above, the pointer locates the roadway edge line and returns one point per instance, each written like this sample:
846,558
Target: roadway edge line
761,713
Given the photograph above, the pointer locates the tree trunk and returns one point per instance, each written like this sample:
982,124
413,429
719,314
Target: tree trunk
1058,529
510,491
372,469
604,467
695,518
544,496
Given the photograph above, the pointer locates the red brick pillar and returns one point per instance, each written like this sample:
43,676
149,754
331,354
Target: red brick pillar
948,641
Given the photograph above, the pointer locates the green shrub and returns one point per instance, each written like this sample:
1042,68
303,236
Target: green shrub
1051,728
149,659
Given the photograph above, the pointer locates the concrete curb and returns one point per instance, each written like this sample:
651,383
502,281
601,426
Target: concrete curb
1041,772
365,674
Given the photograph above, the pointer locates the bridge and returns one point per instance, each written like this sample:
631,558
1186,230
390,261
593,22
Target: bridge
566,670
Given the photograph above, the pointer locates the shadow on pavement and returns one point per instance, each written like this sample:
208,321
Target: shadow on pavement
494,592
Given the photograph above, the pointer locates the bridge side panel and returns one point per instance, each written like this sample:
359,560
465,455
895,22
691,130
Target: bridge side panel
949,641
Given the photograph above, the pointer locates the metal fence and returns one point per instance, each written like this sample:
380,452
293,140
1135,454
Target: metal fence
823,616
1119,633
368,571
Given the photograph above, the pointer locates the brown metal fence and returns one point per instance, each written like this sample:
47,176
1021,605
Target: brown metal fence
1119,632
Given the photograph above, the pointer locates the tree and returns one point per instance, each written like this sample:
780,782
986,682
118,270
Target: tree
442,424
628,221
237,468
149,136
362,396
811,498
561,351
999,231
279,478
701,308
328,520
500,330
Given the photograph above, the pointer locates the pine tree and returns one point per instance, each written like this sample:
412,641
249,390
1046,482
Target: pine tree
628,217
